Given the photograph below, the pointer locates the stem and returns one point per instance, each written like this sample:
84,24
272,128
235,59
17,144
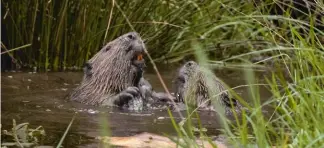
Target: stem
162,82
109,21
7,51
14,133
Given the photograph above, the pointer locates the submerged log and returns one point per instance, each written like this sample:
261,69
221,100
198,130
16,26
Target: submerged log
149,140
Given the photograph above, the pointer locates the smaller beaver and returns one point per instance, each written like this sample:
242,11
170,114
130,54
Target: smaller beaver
193,83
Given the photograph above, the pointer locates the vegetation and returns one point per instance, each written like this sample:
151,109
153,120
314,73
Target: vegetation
23,136
298,102
66,33
295,49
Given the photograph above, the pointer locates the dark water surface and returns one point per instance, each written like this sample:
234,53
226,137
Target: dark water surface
38,98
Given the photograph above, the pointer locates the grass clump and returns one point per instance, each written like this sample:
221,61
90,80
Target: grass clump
295,54
297,102
22,136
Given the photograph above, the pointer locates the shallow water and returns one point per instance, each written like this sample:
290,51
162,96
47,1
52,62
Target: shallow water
38,98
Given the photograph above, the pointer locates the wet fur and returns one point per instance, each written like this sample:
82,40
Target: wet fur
193,83
110,71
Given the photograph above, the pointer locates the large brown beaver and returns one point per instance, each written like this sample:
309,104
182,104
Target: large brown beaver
114,76
199,87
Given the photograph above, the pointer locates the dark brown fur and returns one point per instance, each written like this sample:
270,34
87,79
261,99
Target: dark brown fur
199,87
112,70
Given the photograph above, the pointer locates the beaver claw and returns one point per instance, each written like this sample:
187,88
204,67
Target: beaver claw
132,90
125,96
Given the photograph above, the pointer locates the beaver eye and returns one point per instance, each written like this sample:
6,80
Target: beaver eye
190,63
131,36
107,48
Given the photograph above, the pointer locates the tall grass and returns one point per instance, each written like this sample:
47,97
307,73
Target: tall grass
298,103
67,33
295,50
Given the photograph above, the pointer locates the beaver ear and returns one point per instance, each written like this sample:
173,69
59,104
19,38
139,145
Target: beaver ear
87,69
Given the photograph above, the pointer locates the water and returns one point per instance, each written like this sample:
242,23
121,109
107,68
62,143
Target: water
38,98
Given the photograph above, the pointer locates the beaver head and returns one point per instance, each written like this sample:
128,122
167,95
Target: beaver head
190,86
120,61
185,74
118,65
198,86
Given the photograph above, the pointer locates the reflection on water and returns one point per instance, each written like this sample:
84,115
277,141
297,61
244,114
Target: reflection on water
38,98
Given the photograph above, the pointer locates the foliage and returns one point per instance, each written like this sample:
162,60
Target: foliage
23,136
67,33
295,55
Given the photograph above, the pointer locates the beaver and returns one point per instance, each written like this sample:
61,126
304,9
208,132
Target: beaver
192,85
114,75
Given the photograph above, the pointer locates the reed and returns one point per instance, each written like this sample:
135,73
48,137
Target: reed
295,51
64,34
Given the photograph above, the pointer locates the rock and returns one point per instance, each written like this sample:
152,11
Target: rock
161,118
91,111
149,140
64,89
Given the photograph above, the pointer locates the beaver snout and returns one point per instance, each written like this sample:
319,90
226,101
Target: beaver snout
137,47
138,55
138,59
135,43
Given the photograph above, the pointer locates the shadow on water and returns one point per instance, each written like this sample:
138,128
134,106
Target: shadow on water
38,98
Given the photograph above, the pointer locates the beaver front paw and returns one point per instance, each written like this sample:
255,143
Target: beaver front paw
125,96
163,97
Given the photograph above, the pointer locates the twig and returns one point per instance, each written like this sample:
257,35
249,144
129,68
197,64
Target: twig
109,21
24,46
11,56
124,15
162,82
65,133
163,23
152,62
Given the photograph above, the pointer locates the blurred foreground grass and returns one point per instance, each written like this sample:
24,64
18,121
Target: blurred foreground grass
295,55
